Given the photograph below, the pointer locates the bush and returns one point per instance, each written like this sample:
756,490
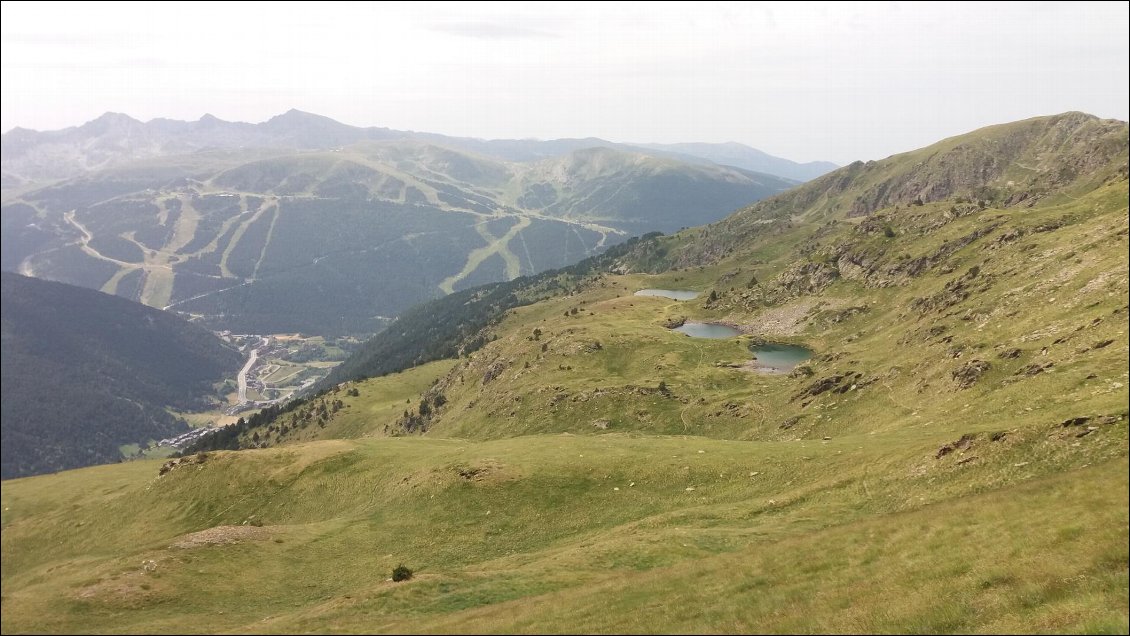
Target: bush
401,573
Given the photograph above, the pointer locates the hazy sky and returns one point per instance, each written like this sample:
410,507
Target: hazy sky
837,82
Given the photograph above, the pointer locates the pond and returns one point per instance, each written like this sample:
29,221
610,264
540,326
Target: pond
779,357
673,294
707,330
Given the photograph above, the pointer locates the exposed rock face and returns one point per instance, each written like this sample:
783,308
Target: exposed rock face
954,292
493,371
839,383
807,278
967,374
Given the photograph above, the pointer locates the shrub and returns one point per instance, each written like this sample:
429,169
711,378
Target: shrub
401,573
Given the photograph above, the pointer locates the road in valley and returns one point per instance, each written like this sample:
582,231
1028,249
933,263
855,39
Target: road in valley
242,377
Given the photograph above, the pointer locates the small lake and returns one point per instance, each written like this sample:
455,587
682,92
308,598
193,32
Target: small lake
779,357
673,294
707,330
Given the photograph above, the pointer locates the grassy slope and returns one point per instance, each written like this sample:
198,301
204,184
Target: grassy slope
907,354
858,533
379,401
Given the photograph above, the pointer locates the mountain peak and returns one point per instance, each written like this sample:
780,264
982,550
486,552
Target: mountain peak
295,116
110,118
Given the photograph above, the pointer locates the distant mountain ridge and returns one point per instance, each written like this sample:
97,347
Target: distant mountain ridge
273,240
742,156
115,139
85,372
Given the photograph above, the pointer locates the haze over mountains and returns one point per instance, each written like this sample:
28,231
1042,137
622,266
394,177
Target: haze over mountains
548,451
117,138
305,224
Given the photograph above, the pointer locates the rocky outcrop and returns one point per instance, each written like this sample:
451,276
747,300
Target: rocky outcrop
493,371
953,293
807,278
961,444
189,460
967,374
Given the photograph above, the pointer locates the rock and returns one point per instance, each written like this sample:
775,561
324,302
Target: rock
1075,421
954,292
998,436
802,371
1101,344
674,322
964,442
602,424
822,385
493,371
967,374
1034,369
1008,237
1009,354
806,278
789,423
966,460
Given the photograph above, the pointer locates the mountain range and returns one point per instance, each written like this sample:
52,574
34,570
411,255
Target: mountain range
281,226
116,139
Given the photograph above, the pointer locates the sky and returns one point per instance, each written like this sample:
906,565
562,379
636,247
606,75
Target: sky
805,81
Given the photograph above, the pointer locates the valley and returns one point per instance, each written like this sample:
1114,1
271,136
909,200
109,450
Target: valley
947,453
278,367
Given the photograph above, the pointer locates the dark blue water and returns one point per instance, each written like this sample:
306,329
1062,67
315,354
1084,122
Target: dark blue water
707,330
673,294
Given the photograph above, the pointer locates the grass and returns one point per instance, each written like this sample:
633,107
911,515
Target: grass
905,358
550,531
375,408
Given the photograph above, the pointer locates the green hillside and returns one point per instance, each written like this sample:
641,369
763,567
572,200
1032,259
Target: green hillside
85,373
951,459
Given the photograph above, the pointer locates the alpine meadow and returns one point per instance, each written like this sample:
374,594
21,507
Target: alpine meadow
302,376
